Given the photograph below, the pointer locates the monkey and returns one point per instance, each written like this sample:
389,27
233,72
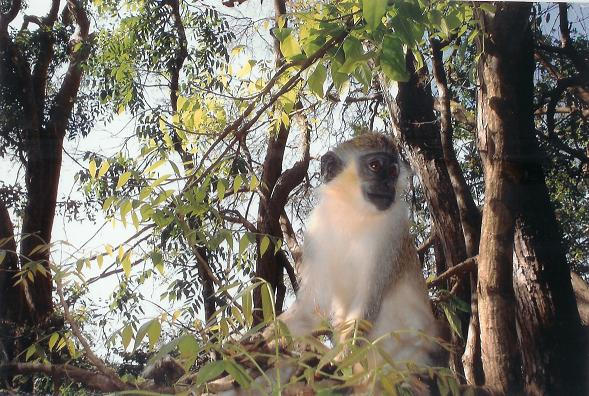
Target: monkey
359,261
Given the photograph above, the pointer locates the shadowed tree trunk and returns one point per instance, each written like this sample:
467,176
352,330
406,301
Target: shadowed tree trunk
554,351
44,125
470,217
411,111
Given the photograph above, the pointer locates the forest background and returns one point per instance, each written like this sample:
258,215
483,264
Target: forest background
159,159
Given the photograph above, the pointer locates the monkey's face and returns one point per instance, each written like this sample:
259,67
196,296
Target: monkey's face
374,174
378,172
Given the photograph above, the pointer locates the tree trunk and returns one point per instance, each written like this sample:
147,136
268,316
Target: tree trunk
554,351
498,126
275,187
415,127
470,218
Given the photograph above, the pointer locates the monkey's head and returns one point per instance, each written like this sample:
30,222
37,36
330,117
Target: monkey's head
367,166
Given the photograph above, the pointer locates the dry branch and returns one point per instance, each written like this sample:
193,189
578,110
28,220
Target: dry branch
466,266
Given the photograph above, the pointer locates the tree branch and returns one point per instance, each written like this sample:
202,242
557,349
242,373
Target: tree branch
294,176
291,239
68,91
9,16
95,360
467,265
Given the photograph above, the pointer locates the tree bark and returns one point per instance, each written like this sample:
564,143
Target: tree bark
498,127
415,127
553,344
470,217
554,351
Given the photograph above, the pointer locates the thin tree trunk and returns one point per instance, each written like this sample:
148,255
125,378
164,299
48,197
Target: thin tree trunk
275,187
470,217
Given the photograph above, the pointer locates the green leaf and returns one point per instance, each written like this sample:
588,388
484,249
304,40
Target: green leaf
254,183
392,59
238,373
290,47
209,372
141,334
453,320
154,166
354,54
188,346
267,304
153,332
52,340
488,7
246,305
92,169
221,188
264,244
123,179
127,335
244,243
317,79
30,352
373,11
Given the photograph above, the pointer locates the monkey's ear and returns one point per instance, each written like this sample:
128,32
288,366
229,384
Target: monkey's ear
331,165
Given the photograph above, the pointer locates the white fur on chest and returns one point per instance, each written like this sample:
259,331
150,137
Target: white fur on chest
340,263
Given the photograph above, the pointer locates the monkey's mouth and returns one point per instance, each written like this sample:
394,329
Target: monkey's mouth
382,201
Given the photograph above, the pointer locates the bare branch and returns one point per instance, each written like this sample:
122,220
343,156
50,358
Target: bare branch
467,265
291,239
294,176
95,360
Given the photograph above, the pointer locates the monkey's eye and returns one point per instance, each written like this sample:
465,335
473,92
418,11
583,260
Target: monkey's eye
375,165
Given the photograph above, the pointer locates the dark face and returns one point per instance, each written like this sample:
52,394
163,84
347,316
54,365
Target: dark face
379,172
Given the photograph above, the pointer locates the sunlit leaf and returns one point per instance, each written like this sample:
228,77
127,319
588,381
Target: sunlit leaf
126,264
123,179
267,303
373,11
188,346
103,168
290,47
154,166
153,332
52,340
92,169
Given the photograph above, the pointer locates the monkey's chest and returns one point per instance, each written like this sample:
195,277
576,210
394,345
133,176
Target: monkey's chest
347,262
